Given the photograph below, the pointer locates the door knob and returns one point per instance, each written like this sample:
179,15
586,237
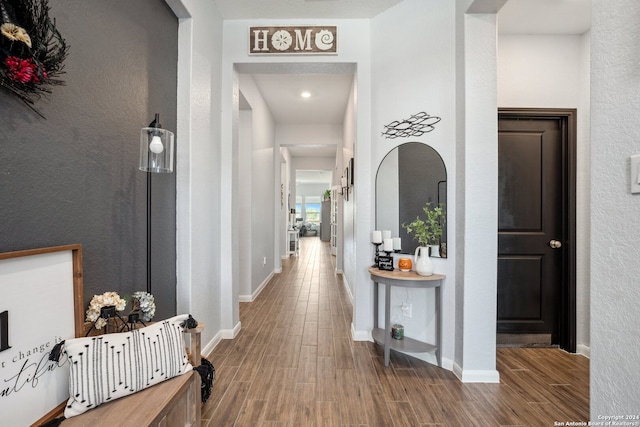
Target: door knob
555,244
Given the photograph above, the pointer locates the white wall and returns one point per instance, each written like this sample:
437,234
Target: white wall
615,223
262,174
305,134
312,189
198,164
245,202
477,147
552,71
346,259
422,31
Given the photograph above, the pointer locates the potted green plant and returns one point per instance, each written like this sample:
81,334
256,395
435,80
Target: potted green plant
428,231
327,195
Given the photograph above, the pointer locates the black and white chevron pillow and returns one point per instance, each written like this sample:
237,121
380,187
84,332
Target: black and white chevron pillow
110,366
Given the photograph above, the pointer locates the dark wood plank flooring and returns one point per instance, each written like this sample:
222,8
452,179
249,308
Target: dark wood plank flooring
294,364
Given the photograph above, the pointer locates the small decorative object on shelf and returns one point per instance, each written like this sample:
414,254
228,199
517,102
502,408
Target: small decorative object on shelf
385,262
103,308
404,264
397,331
32,50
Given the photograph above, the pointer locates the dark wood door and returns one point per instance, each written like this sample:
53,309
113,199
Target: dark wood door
531,224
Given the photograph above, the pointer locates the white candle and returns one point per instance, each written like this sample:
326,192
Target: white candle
397,244
388,245
376,236
386,234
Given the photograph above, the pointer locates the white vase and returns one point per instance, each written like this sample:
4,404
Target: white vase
423,264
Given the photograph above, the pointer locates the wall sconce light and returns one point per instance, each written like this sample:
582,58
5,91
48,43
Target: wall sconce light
345,187
156,156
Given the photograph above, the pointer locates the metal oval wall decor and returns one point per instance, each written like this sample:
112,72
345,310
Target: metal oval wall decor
416,125
32,50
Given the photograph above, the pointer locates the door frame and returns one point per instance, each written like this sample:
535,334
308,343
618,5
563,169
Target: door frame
567,116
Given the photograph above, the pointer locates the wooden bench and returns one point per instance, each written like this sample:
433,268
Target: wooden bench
175,402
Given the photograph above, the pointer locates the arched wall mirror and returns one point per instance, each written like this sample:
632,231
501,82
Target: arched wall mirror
409,176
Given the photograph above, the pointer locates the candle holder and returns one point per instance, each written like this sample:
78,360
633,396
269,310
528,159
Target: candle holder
109,319
377,245
133,319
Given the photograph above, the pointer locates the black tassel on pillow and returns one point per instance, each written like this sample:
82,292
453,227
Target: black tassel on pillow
190,323
56,351
207,375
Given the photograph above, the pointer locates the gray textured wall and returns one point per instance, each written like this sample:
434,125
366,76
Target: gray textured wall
73,177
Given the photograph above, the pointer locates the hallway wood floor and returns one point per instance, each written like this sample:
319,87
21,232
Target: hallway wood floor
294,364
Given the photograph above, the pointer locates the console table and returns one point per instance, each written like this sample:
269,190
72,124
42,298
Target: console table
406,280
293,242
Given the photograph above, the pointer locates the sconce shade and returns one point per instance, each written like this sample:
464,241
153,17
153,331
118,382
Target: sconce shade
156,148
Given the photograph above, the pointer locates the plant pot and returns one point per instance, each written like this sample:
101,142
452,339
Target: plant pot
423,264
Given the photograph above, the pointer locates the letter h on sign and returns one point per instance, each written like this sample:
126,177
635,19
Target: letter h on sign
260,40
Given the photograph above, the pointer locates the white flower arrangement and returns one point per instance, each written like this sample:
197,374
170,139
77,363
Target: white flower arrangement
144,303
105,300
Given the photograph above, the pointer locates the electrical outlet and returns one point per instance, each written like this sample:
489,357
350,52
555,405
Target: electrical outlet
264,261
407,310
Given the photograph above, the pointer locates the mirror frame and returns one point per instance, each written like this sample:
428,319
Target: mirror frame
437,193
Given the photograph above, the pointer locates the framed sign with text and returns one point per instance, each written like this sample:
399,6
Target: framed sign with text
41,304
307,40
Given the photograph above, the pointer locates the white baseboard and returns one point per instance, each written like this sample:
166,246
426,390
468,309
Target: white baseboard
229,334
221,335
360,335
584,350
347,289
474,376
254,295
211,345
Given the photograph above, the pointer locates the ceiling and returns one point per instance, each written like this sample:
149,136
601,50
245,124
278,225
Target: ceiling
330,92
545,17
302,9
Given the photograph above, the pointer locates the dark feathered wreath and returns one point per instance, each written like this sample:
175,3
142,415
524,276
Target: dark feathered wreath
32,50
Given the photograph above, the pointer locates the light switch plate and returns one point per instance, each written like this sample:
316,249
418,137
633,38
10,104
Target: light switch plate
634,174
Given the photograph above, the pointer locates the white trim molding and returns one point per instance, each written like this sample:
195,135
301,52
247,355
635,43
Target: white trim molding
254,295
229,334
584,350
360,335
345,283
471,376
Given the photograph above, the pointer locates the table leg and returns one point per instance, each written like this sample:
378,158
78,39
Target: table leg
438,327
375,304
387,324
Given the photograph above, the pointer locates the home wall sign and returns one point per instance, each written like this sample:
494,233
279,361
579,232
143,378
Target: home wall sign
307,40
41,303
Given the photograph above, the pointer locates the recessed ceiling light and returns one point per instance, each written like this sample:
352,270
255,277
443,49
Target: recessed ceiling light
305,94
